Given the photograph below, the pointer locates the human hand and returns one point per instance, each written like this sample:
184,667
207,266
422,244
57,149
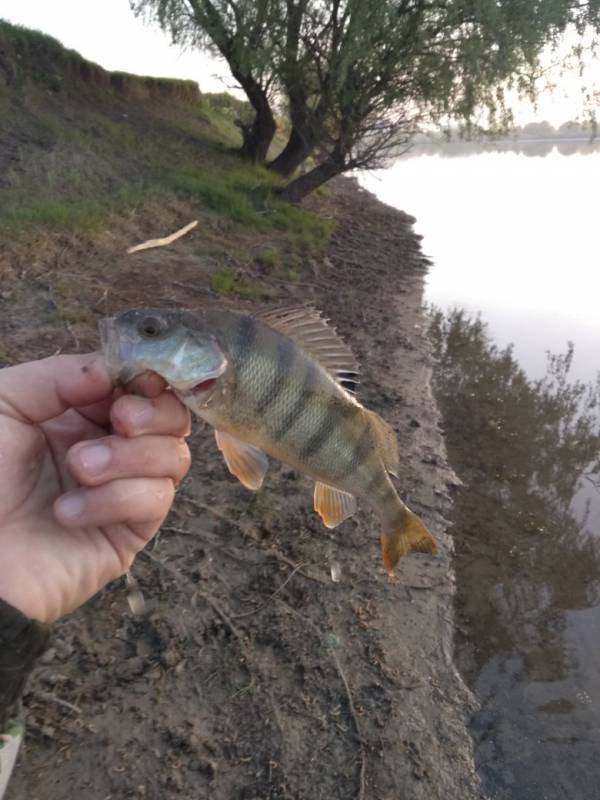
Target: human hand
86,479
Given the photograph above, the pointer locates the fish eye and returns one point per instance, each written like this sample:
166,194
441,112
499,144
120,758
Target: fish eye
150,327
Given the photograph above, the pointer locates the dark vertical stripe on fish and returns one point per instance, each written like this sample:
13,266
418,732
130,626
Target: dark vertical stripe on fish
362,448
273,390
295,412
245,340
319,438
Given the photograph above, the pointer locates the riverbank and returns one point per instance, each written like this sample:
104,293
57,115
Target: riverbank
252,674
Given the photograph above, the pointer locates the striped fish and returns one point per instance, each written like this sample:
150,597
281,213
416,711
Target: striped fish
280,384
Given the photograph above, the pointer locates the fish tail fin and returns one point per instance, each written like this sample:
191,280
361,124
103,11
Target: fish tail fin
410,536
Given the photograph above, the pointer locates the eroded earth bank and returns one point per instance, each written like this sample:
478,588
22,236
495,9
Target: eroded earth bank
252,675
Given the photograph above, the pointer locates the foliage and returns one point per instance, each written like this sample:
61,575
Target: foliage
534,438
361,78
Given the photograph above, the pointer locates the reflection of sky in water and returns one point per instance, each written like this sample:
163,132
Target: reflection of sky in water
515,237
518,238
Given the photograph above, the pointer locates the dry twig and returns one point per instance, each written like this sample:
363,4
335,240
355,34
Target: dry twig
52,698
351,706
164,241
271,596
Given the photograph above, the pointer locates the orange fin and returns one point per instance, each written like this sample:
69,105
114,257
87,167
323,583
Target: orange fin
246,462
411,536
387,442
307,328
333,505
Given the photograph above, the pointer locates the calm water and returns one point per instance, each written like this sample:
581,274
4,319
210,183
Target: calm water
518,240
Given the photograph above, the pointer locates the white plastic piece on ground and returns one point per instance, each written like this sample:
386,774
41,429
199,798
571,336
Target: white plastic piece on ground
9,747
336,572
135,598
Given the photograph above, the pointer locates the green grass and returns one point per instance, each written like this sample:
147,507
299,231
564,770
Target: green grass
86,144
227,282
223,281
269,259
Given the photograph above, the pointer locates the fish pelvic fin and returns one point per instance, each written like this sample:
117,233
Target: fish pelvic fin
410,536
333,505
387,442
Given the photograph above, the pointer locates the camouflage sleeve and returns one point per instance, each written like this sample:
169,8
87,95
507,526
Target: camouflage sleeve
21,641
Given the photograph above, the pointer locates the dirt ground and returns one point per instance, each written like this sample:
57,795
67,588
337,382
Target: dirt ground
252,675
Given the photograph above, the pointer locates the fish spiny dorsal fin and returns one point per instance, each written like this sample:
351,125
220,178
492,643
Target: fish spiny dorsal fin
308,329
387,442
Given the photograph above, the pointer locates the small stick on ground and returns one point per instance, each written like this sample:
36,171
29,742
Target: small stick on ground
191,288
164,241
271,596
244,643
209,599
52,698
353,714
361,744
247,533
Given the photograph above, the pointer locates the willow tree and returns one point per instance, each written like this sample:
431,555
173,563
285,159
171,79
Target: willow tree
379,72
245,34
360,77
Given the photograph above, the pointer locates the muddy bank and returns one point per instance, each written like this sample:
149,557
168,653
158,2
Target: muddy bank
253,675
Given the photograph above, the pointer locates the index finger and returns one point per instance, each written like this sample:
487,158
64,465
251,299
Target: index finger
40,390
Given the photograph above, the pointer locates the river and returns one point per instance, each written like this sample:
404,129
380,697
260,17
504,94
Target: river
516,239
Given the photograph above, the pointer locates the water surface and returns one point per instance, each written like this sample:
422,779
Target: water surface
517,239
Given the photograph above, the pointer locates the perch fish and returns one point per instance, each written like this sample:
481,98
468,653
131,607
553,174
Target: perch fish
280,384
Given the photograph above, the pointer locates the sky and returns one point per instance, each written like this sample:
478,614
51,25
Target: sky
106,32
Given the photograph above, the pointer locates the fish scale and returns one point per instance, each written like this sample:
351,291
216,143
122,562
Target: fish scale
301,403
277,384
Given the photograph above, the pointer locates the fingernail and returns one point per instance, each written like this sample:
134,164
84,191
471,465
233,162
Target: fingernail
95,458
71,505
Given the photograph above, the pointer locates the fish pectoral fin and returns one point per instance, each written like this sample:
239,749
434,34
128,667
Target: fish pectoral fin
333,505
246,462
410,536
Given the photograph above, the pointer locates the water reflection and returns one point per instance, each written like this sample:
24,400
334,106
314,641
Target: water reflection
528,566
530,148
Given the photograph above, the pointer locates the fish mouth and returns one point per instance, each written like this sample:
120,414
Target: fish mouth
115,350
202,388
111,350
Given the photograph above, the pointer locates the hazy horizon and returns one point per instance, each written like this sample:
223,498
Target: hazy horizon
105,32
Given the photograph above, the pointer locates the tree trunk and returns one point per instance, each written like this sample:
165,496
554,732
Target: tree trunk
257,137
298,148
299,188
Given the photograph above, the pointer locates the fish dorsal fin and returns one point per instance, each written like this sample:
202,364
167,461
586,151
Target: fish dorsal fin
387,442
308,329
333,505
246,462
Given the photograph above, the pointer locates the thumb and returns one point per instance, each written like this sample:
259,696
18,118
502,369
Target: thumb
40,390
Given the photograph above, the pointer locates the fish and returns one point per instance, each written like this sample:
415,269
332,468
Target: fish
279,384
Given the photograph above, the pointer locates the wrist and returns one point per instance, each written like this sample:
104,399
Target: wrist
22,640
25,597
